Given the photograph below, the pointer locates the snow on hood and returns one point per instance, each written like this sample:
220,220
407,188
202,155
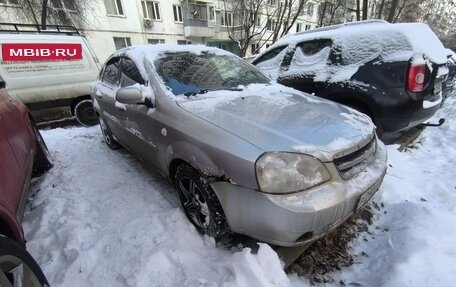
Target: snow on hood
277,118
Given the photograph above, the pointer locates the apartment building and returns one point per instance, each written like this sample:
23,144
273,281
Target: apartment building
113,24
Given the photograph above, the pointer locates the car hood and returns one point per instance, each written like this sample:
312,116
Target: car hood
277,118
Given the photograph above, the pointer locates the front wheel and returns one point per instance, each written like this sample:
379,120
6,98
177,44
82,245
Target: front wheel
199,202
17,266
107,136
85,113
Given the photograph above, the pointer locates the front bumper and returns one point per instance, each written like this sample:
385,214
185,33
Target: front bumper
300,218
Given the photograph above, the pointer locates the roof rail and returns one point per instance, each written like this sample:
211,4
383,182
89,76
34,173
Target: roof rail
35,28
337,26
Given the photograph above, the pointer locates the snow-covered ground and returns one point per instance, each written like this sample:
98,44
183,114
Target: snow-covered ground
102,218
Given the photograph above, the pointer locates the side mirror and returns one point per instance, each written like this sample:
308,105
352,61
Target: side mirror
130,96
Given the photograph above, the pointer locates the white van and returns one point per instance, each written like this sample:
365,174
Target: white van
53,82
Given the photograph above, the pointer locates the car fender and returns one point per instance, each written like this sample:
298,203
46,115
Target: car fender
192,155
10,226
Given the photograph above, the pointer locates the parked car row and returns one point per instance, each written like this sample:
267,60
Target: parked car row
247,154
251,156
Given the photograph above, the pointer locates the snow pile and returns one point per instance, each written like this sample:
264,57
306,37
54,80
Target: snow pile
412,240
102,218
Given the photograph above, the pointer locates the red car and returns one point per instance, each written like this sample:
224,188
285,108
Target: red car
22,153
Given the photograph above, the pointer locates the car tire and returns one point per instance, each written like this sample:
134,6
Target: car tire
199,202
85,113
43,160
17,264
107,136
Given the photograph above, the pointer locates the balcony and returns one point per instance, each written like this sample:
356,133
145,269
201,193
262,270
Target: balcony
199,19
199,28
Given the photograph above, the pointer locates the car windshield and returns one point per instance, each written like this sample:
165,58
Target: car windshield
190,74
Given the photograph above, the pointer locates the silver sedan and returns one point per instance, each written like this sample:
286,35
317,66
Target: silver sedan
246,155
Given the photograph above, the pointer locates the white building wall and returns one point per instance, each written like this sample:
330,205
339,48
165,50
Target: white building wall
102,27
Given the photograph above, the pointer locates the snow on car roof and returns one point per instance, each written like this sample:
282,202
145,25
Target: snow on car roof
394,42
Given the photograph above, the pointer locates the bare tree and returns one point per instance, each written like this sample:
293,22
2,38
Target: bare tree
287,14
392,10
259,21
333,12
365,6
358,10
55,12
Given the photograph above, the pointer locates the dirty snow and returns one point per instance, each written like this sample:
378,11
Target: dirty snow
102,218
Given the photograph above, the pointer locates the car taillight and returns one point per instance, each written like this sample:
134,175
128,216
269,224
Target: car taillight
416,77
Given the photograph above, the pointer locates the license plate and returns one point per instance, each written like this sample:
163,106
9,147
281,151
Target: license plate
366,196
438,86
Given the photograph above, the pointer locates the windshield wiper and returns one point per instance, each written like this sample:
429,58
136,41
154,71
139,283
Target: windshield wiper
189,94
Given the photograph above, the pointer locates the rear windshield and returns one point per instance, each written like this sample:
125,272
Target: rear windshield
186,72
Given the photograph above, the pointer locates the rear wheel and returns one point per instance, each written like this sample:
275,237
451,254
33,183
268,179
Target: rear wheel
43,160
199,202
85,113
107,136
17,266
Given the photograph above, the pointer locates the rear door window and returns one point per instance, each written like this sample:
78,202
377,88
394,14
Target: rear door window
271,61
314,47
130,74
111,72
310,59
269,55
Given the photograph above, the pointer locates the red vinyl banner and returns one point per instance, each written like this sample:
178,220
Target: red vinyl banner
41,52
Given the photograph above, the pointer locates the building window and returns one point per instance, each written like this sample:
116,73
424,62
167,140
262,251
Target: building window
156,41
121,42
223,46
211,13
298,27
63,4
255,48
10,2
226,18
177,10
307,27
183,42
255,18
200,12
310,9
272,2
270,25
151,10
114,7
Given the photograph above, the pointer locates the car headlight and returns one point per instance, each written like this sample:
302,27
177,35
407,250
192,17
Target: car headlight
286,172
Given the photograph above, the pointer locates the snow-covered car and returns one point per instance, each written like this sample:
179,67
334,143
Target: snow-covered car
22,151
245,154
391,72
